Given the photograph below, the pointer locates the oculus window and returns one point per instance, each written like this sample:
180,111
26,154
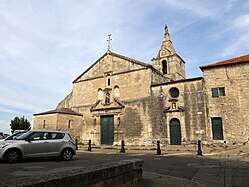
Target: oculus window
174,92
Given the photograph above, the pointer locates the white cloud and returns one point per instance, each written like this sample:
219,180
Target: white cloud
238,44
195,7
230,4
239,37
242,22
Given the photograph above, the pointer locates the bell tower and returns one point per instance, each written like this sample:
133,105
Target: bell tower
168,62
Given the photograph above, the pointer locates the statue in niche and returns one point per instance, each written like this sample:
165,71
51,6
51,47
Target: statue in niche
107,99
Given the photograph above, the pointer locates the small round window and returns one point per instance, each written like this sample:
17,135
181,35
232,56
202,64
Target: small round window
174,92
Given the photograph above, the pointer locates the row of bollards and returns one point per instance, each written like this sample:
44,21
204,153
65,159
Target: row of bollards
158,149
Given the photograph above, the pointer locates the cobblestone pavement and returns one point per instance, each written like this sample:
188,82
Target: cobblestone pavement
207,170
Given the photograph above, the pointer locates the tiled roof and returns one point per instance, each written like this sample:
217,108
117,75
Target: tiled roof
60,111
236,60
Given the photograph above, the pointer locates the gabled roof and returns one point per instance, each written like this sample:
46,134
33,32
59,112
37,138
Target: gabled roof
232,61
122,57
60,111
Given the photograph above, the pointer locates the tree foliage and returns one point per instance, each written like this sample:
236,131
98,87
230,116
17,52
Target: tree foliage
19,124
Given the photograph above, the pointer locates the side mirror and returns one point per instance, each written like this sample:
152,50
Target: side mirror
14,137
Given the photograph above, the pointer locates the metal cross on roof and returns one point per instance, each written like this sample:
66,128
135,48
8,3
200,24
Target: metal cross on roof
109,42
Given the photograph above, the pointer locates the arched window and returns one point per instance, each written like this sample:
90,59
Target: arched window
116,92
100,94
164,67
107,98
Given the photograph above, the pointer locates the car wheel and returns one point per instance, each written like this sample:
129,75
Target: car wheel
13,156
67,154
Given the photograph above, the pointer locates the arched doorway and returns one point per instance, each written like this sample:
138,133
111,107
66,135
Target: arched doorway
175,132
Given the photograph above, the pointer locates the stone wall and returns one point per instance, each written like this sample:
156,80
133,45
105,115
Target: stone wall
189,109
175,66
128,122
109,63
233,107
50,121
132,122
135,84
60,122
123,173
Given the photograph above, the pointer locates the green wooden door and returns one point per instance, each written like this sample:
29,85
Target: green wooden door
217,128
175,132
107,129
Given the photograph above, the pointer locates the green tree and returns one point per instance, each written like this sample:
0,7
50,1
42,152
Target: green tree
19,124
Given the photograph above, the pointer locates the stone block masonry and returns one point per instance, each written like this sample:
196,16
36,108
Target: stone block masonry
125,173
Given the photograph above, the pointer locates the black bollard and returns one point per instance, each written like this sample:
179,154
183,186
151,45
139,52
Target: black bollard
158,149
199,151
122,150
76,144
89,146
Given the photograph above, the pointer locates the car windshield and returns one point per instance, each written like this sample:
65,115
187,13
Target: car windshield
24,136
16,135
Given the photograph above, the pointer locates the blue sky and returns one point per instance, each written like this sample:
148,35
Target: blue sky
46,44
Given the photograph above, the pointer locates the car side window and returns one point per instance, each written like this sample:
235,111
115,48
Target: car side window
56,135
46,136
37,136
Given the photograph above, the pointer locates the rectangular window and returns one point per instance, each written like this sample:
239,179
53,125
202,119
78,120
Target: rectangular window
222,91
217,92
69,124
217,128
109,81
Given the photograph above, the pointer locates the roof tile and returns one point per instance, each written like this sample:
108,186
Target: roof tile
236,60
60,111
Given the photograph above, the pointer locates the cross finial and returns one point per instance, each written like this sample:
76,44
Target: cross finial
109,42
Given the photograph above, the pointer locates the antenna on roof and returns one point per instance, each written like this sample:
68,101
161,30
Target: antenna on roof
109,42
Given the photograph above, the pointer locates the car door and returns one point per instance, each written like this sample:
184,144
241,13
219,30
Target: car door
55,142
37,145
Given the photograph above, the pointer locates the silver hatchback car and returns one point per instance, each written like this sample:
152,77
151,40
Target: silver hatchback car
38,144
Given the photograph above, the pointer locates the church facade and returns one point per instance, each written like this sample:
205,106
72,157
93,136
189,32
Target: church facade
120,98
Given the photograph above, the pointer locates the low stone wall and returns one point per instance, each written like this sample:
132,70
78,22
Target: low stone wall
125,173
